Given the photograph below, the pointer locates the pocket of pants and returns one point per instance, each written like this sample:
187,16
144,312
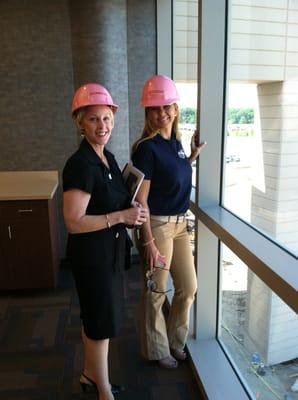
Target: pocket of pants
157,224
161,230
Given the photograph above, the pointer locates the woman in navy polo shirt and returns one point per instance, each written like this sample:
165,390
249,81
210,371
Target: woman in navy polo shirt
96,208
163,240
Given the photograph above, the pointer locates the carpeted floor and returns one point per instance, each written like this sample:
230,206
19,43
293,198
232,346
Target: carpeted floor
41,352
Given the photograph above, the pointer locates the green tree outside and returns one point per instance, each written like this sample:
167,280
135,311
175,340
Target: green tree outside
188,115
240,116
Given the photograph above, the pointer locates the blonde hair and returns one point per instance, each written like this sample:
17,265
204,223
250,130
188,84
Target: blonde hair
149,131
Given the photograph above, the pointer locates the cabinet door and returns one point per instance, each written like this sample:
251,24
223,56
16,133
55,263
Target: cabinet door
6,247
26,252
32,259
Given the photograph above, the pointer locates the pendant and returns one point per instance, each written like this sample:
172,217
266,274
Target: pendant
110,176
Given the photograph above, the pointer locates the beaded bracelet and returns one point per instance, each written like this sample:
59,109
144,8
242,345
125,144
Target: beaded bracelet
149,241
108,221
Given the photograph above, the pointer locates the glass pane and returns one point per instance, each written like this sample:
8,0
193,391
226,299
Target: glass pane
185,39
261,140
258,331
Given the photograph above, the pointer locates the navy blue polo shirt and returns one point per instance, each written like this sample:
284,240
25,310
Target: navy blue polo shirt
165,164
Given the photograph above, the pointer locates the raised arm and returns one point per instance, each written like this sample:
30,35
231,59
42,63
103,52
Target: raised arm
75,204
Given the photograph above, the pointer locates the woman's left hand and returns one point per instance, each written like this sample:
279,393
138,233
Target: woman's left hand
196,146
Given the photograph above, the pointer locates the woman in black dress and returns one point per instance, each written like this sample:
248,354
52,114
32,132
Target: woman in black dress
96,208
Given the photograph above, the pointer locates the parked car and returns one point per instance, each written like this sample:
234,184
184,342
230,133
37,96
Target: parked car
232,158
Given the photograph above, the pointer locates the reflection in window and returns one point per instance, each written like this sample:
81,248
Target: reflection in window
191,228
261,144
258,331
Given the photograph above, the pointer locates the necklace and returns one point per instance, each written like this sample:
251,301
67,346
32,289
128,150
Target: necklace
104,160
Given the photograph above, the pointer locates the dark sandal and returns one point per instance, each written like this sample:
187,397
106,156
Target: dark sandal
168,362
115,389
179,354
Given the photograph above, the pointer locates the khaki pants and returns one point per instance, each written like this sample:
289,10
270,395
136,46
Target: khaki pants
157,335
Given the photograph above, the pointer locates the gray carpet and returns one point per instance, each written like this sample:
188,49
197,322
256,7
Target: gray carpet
41,352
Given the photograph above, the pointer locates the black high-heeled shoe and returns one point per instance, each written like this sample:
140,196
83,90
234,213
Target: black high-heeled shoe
115,389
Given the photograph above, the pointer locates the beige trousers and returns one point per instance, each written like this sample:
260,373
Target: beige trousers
157,334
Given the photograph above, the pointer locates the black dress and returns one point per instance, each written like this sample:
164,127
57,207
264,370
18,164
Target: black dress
98,258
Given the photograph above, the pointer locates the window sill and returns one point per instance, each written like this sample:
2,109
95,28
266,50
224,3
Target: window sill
215,375
271,263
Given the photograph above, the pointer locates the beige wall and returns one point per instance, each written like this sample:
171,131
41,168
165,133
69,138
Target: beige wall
185,40
263,45
264,40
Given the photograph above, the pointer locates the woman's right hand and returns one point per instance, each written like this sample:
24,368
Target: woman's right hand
151,254
135,216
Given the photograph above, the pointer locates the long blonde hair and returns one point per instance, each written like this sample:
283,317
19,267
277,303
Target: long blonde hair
149,131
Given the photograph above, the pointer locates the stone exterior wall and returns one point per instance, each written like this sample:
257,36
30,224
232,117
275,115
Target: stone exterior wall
186,40
264,40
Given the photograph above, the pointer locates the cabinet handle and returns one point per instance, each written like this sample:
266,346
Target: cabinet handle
9,232
25,211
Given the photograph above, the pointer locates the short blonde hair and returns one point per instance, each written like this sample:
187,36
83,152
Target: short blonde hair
78,115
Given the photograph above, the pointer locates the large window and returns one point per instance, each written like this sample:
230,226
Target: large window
261,149
258,331
235,64
257,328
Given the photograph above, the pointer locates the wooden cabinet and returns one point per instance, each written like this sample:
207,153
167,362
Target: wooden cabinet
29,253
28,244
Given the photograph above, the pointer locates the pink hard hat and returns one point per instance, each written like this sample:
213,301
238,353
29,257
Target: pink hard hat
92,94
159,90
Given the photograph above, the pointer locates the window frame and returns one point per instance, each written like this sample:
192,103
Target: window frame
216,373
273,264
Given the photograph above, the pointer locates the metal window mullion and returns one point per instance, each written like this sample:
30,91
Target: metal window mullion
164,26
210,103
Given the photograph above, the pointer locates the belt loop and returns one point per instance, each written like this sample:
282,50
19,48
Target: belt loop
169,218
